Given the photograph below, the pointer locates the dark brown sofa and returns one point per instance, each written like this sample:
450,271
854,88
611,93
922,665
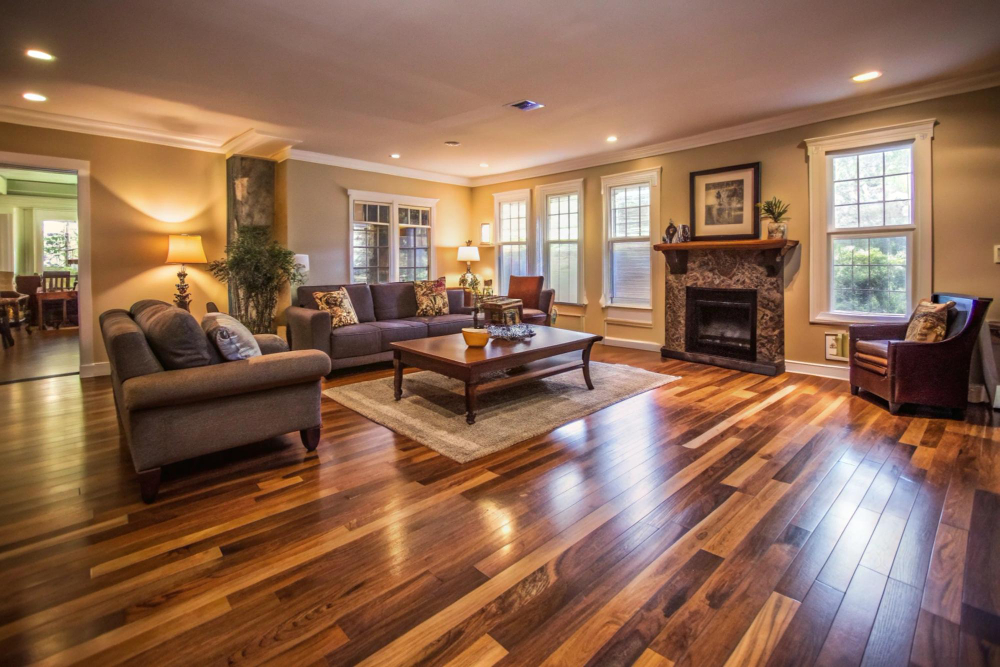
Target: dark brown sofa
901,371
172,415
386,313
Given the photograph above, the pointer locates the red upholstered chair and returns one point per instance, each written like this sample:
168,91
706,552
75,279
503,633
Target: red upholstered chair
902,371
536,302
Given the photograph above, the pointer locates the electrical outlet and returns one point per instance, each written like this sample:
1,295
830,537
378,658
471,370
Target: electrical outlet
996,254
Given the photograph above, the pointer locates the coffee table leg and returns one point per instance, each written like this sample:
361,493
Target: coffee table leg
398,381
470,403
586,366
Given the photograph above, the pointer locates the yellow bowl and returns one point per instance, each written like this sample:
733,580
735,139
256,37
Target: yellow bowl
475,337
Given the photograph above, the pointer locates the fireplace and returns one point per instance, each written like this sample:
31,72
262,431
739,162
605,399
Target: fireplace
721,322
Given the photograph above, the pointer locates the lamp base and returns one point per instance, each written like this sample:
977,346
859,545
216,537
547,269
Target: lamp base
468,279
182,299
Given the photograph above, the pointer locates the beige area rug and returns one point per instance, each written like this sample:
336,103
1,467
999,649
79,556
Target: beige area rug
432,410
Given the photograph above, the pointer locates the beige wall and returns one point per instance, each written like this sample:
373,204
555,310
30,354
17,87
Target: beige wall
966,162
312,205
139,194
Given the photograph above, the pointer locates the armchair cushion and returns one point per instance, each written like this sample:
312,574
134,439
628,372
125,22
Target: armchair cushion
270,344
929,322
233,340
189,385
174,335
528,289
875,348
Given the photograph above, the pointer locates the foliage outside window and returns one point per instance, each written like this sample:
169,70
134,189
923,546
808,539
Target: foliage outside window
60,245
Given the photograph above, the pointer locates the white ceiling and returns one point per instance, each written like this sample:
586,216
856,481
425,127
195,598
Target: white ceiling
363,79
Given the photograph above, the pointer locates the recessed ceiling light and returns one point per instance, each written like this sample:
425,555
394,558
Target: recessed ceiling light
612,139
867,76
483,164
395,156
452,144
40,55
34,97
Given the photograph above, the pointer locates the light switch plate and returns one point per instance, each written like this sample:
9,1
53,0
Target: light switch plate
996,254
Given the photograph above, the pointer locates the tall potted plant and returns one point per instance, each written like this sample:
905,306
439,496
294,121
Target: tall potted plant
256,268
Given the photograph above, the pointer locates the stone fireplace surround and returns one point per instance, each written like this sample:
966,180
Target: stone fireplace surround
739,265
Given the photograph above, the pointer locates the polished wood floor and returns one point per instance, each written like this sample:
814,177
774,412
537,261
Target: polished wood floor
725,518
40,354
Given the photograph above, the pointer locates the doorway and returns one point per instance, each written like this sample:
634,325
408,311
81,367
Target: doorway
44,267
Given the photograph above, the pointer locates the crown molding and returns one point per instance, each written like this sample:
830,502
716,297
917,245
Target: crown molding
54,121
364,165
807,116
258,144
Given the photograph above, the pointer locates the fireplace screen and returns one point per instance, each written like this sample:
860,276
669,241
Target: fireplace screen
722,322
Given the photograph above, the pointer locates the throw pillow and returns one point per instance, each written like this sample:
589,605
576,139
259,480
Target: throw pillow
929,322
173,334
432,297
339,305
233,340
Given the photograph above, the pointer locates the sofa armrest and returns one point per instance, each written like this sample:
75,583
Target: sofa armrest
270,344
205,383
308,329
456,301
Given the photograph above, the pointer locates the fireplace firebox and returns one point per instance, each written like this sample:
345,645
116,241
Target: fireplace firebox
722,322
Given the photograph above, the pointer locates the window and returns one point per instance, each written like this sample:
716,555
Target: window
561,221
510,211
870,223
629,220
60,245
390,237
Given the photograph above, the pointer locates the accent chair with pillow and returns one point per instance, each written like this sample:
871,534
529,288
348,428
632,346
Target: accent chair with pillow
926,360
177,397
536,302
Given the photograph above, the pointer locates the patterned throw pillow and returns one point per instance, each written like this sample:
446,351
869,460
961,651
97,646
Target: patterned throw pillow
339,305
929,322
432,297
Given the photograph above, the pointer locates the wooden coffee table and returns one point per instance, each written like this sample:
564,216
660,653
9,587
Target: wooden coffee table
550,352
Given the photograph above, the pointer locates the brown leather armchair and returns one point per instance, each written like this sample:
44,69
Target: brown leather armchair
536,303
901,371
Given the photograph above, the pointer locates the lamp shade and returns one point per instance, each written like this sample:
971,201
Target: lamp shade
303,260
185,249
468,253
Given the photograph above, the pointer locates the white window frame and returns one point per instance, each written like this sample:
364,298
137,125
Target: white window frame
510,197
916,134
394,201
538,256
651,178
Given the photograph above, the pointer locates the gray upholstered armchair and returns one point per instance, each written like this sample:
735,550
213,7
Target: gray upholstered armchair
172,415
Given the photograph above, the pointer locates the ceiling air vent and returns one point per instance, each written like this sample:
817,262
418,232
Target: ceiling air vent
526,105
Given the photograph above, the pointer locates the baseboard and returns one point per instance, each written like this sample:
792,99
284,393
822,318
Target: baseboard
95,370
821,370
634,344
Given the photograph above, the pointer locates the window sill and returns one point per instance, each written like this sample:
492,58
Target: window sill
857,318
630,306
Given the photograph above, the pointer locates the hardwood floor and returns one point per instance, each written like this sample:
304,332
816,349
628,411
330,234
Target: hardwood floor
725,518
41,354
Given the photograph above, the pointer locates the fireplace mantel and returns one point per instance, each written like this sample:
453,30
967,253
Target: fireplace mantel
774,250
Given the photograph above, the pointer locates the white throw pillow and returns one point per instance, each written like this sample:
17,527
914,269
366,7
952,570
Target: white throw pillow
233,340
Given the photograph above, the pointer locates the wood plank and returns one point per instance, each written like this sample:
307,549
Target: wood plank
764,633
982,583
803,638
892,633
845,642
483,653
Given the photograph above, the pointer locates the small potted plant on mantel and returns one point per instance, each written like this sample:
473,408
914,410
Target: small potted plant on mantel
774,211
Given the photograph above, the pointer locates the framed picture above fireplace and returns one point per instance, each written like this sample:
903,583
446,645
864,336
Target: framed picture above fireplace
724,203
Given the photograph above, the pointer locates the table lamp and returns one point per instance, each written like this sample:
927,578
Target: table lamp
184,249
468,254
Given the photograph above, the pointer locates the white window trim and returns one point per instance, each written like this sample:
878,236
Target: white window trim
504,198
537,257
650,177
395,201
918,134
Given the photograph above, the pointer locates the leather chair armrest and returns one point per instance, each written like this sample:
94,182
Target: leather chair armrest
270,344
232,378
546,300
858,332
928,372
308,329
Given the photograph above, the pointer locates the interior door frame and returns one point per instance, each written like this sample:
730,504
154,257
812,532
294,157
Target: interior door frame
88,368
